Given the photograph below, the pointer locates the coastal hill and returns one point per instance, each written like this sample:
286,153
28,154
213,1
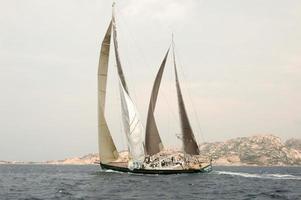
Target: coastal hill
260,150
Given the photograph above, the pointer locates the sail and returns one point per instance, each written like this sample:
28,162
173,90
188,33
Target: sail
131,122
107,149
189,142
117,56
132,126
153,143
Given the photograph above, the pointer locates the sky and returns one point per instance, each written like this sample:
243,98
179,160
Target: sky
239,64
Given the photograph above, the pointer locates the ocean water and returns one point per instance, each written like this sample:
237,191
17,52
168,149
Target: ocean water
90,182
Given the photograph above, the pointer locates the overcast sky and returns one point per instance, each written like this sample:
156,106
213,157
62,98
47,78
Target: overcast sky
240,69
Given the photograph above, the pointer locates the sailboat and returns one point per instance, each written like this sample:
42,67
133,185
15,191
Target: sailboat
146,153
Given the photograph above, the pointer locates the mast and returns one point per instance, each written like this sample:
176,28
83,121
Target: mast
106,146
189,142
153,143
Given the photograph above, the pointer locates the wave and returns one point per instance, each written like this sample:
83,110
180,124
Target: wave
265,176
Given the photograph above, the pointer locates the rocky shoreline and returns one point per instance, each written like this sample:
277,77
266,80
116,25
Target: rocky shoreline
260,150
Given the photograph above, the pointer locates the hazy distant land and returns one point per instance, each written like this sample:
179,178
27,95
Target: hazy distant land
261,150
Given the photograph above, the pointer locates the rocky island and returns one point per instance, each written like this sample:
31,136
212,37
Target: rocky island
261,150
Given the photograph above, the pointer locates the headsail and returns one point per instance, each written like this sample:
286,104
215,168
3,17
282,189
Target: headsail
189,142
131,122
133,126
153,143
107,149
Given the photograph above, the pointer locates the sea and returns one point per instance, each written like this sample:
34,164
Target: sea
90,182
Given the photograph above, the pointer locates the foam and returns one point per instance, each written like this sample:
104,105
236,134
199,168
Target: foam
265,176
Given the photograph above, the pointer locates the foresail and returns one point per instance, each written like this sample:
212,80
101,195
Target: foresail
153,143
107,148
132,126
189,142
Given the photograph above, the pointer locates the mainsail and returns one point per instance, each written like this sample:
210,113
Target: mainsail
131,121
189,142
153,143
107,149
118,63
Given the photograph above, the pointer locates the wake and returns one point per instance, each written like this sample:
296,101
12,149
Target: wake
264,176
